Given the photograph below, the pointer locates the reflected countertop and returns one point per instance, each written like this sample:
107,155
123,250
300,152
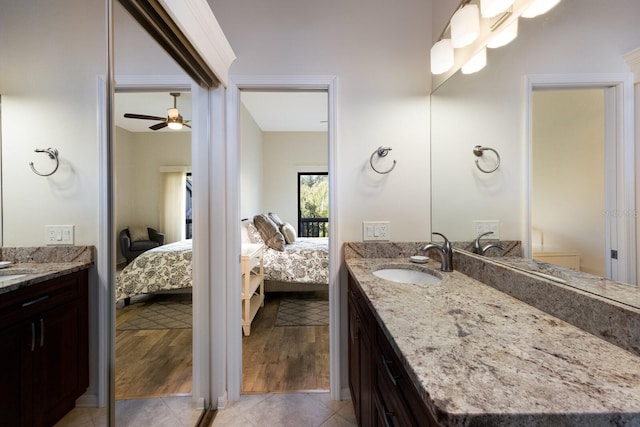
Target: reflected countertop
27,266
482,357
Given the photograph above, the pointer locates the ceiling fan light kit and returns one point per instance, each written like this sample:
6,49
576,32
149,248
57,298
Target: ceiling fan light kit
173,120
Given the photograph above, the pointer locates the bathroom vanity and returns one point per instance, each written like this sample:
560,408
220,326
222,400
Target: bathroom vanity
460,352
44,340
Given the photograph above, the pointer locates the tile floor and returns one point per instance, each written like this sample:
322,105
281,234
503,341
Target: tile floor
277,410
161,412
284,410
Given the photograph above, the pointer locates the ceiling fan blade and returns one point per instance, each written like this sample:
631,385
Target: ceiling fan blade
186,124
158,126
142,116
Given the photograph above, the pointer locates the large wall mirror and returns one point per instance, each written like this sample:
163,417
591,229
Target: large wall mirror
582,39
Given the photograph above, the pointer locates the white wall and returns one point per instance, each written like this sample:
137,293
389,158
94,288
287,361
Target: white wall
568,177
48,81
138,180
488,108
284,155
251,194
379,52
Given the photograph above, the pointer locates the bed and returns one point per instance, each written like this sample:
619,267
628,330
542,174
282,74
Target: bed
165,269
302,266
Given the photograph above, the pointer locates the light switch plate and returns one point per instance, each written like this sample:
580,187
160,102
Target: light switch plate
376,230
59,235
484,226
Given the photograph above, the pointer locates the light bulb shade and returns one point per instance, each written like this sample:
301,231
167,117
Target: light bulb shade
476,63
491,8
172,112
465,26
175,125
504,36
442,58
538,7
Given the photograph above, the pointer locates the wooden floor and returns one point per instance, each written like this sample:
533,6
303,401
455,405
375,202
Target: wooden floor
278,359
151,363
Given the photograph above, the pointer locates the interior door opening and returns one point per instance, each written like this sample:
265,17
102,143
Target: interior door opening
284,138
153,189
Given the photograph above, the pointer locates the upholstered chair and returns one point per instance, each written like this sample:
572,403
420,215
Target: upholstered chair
132,248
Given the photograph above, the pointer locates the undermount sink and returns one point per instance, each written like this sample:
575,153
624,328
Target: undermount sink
401,274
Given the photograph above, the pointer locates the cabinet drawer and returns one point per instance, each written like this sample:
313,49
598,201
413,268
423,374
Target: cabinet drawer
399,394
29,301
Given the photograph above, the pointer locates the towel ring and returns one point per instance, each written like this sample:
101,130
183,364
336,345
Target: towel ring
53,155
381,152
479,150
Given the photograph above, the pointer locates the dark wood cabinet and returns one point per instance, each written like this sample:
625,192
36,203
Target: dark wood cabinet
44,346
382,392
360,349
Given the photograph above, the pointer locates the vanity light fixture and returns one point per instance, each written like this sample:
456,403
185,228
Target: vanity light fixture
465,26
476,63
504,36
470,34
538,7
491,8
442,58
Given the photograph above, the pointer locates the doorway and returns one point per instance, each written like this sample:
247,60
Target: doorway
290,83
569,179
284,136
611,157
152,176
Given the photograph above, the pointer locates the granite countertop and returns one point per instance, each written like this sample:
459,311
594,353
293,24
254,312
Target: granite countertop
31,265
482,357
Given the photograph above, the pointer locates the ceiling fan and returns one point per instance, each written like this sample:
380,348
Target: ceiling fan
173,120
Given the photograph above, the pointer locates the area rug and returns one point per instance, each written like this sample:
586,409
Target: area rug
161,315
302,312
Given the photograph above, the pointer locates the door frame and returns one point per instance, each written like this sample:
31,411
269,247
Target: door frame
620,162
201,118
234,322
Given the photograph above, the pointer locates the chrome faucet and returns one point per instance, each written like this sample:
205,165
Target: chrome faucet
479,249
445,251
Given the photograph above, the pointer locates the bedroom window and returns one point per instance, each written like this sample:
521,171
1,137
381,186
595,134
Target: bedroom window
189,210
313,204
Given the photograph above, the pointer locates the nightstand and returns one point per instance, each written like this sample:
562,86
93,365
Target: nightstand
252,283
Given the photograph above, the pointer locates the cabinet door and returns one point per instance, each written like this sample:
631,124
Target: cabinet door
59,364
354,358
15,375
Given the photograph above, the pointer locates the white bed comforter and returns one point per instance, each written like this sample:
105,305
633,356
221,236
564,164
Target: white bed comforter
166,267
304,261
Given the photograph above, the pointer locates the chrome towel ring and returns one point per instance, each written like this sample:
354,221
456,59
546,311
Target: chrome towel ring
53,155
381,152
479,150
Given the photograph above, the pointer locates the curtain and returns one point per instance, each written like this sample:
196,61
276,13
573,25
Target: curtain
173,206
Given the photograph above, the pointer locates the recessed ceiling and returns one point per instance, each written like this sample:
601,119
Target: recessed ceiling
272,111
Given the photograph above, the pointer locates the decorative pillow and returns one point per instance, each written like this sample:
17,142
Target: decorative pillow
269,232
288,232
252,233
276,219
138,233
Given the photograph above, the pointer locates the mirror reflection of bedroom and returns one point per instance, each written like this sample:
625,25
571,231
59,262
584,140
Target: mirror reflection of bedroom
285,232
152,165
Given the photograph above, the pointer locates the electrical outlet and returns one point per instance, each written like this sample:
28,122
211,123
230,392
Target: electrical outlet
376,230
59,235
485,226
